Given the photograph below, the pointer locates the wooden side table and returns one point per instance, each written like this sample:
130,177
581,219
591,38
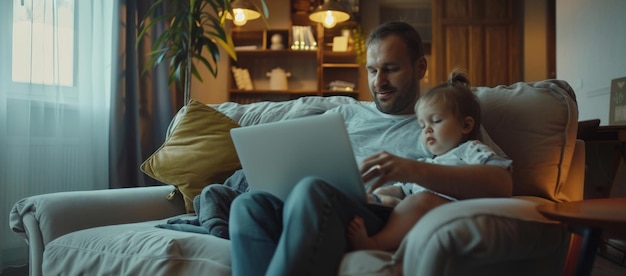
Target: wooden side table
591,218
606,155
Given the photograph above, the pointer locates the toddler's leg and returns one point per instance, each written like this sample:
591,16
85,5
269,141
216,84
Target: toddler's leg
213,204
390,195
401,220
213,208
357,235
394,191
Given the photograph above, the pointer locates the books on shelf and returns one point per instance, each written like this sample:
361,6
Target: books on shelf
242,78
303,38
246,48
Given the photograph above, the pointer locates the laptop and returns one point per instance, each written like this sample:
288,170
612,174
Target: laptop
276,156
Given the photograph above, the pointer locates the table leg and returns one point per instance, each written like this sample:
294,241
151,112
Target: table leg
588,250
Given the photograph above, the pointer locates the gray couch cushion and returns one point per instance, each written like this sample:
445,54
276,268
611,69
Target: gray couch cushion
136,249
535,124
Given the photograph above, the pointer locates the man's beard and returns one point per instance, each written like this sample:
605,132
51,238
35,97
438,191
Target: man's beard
400,103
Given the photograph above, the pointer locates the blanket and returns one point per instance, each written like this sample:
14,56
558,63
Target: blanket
212,207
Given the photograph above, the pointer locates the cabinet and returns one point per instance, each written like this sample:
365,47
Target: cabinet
483,37
309,72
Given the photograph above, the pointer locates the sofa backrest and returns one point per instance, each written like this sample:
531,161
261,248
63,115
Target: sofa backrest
535,124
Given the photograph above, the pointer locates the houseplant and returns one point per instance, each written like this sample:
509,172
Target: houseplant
194,25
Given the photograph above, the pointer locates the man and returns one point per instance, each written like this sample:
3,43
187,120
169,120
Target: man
305,234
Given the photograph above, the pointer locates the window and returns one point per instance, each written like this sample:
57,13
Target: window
55,83
43,42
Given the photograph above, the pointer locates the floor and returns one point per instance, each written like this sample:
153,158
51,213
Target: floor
609,265
602,267
605,267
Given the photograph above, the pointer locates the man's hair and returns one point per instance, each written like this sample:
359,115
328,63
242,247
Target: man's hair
456,94
404,30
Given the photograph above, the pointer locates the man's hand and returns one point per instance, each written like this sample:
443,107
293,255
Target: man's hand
387,167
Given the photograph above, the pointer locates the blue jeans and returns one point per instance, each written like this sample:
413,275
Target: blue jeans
305,235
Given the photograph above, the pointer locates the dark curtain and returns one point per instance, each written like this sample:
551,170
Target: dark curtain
142,105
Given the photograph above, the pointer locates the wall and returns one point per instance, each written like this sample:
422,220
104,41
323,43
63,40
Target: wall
535,40
591,51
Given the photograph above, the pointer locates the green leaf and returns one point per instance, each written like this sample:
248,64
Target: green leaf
195,73
208,65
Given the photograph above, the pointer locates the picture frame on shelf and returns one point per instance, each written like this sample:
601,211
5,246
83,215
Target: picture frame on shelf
617,108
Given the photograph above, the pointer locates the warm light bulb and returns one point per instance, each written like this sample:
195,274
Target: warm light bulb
240,17
329,20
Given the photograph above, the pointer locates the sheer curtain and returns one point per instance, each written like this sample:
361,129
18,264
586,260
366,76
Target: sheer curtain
55,89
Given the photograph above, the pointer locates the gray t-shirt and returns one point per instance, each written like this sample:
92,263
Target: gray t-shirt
372,131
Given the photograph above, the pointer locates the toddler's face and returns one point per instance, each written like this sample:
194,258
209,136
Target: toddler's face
441,129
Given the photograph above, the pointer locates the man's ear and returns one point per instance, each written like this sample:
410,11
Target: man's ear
420,67
468,124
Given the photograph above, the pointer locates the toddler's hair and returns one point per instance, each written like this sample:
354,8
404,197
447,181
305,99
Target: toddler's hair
455,94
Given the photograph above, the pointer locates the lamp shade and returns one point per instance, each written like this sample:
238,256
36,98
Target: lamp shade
243,11
329,14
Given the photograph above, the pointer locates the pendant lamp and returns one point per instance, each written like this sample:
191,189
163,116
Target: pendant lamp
329,14
243,11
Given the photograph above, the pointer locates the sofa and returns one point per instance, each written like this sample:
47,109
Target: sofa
112,232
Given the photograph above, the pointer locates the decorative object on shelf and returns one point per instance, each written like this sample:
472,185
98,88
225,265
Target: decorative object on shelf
278,79
330,13
303,38
243,11
242,78
277,42
194,25
340,43
617,115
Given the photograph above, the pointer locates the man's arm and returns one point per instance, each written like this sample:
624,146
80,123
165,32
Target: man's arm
462,181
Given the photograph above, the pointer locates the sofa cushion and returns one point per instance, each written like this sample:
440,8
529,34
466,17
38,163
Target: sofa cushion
136,249
535,124
198,152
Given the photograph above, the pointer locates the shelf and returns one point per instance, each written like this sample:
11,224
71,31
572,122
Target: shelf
276,52
310,71
340,57
328,91
341,65
349,54
264,91
252,97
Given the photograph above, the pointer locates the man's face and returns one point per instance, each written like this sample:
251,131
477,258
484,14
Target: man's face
392,76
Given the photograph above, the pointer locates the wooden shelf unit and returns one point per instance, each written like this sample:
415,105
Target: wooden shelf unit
311,70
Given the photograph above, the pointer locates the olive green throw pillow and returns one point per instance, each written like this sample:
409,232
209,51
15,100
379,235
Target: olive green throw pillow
198,152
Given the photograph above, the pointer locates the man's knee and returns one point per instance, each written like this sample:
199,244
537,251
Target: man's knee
309,188
247,201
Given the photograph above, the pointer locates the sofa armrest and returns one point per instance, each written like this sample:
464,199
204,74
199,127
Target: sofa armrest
476,236
48,216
